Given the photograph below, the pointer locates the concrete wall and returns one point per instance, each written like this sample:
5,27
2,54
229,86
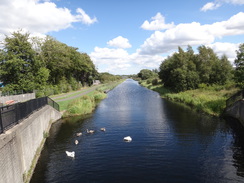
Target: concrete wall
236,111
18,145
18,98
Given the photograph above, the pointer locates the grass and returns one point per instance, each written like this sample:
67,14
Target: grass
85,104
70,94
211,100
109,86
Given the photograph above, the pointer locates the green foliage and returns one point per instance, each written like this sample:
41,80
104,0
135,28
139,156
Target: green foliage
85,104
33,64
146,74
155,81
239,63
185,70
106,77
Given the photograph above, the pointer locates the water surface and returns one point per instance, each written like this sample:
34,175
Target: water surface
171,143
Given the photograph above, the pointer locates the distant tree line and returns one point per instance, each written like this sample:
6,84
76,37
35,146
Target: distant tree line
106,77
185,70
28,64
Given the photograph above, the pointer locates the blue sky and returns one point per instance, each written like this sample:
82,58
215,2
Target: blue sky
123,37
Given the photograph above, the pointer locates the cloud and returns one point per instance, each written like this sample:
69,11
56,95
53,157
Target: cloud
192,34
158,23
38,16
84,17
150,54
210,6
228,49
217,3
119,42
120,61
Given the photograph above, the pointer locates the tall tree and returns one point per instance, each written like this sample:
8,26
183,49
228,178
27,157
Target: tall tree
239,63
56,58
19,62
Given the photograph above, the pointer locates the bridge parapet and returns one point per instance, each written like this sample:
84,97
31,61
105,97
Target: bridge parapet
235,106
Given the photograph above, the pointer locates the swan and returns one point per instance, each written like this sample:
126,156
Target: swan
78,134
70,154
76,142
128,139
90,131
103,129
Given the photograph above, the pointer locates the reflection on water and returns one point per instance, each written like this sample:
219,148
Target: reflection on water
170,143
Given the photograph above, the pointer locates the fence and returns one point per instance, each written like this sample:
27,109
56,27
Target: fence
13,114
238,96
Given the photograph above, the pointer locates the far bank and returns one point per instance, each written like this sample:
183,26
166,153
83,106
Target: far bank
207,99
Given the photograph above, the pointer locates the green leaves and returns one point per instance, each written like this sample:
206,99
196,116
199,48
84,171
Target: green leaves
186,70
31,63
239,63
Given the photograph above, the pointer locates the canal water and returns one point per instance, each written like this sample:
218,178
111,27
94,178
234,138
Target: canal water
170,143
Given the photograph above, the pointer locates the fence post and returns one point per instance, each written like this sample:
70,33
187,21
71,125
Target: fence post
1,121
17,112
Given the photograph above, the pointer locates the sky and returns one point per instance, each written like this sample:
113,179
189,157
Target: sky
126,36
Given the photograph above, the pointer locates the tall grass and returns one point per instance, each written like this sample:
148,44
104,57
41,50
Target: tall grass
211,99
85,104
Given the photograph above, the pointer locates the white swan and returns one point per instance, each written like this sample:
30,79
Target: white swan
103,129
90,131
76,142
128,139
70,154
78,134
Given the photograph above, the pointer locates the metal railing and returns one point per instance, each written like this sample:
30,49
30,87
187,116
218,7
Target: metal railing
14,114
234,98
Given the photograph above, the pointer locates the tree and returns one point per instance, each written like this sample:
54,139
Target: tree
239,63
146,74
178,72
19,63
56,59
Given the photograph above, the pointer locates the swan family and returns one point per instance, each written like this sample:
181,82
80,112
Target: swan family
72,153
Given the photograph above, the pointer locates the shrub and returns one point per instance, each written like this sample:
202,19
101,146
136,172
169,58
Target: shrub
155,81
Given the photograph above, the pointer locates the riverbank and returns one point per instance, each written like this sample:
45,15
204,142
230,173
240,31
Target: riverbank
83,101
210,100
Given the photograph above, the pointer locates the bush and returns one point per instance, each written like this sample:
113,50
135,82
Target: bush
149,81
155,81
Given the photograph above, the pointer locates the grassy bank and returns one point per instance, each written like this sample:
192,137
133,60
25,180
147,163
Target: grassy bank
86,103
211,100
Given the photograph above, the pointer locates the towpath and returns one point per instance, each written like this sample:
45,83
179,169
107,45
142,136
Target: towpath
73,95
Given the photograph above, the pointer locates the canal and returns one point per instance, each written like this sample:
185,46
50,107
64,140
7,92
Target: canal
170,143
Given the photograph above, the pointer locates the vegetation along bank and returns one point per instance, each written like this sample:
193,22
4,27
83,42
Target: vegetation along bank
203,80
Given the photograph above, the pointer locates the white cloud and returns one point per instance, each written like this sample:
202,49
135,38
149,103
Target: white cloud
119,42
158,23
84,17
232,26
217,3
149,55
37,16
109,56
119,61
191,34
228,49
210,6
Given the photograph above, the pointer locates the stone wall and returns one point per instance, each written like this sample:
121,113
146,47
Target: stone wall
236,111
18,145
